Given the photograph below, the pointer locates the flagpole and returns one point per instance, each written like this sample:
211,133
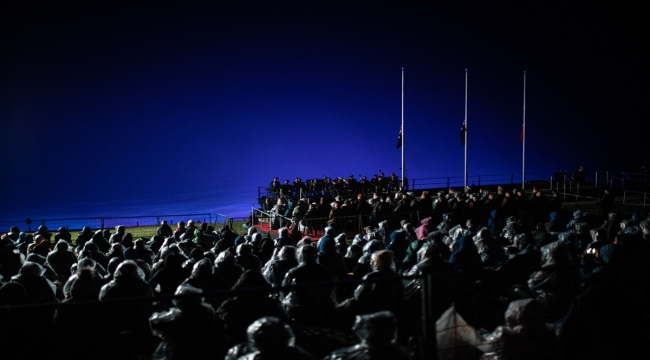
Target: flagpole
523,137
465,178
402,186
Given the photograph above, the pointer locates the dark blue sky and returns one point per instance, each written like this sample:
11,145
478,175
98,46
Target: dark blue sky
123,109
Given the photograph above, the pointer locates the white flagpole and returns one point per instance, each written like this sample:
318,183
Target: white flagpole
523,138
465,182
403,169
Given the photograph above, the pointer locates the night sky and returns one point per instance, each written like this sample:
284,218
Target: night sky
145,109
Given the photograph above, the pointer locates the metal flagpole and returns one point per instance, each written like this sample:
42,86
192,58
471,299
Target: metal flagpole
523,140
402,186
465,182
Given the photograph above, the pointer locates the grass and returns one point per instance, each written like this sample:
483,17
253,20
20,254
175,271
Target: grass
149,231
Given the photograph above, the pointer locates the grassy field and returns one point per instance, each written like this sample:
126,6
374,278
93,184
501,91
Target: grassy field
148,231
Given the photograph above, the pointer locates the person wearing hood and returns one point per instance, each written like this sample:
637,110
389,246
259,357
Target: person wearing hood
39,289
171,276
63,234
102,245
42,230
84,235
10,261
446,223
423,230
266,248
364,266
227,240
327,243
277,268
386,292
128,282
314,305
410,259
466,259
188,330
143,253
120,231
226,270
244,308
96,255
75,313
493,223
525,334
13,233
48,272
602,265
490,250
24,240
398,246
558,280
41,246
117,251
61,259
268,338
518,268
378,335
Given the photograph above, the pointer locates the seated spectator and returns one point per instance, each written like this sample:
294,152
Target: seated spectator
247,260
384,294
524,336
268,338
63,234
85,235
39,289
188,330
310,305
61,259
275,270
244,308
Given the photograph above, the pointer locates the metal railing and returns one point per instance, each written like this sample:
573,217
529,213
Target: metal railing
642,197
444,182
73,224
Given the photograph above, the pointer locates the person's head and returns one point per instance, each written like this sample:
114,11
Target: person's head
139,244
270,335
382,259
120,229
308,254
189,302
164,222
181,225
491,196
203,267
245,249
599,235
62,245
428,250
287,253
39,239
376,330
538,194
117,248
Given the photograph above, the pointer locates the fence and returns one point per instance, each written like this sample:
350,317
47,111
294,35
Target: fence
136,225
355,224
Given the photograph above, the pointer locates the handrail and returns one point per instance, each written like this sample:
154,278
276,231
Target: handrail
645,196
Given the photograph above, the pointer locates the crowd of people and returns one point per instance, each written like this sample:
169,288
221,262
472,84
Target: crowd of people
567,286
